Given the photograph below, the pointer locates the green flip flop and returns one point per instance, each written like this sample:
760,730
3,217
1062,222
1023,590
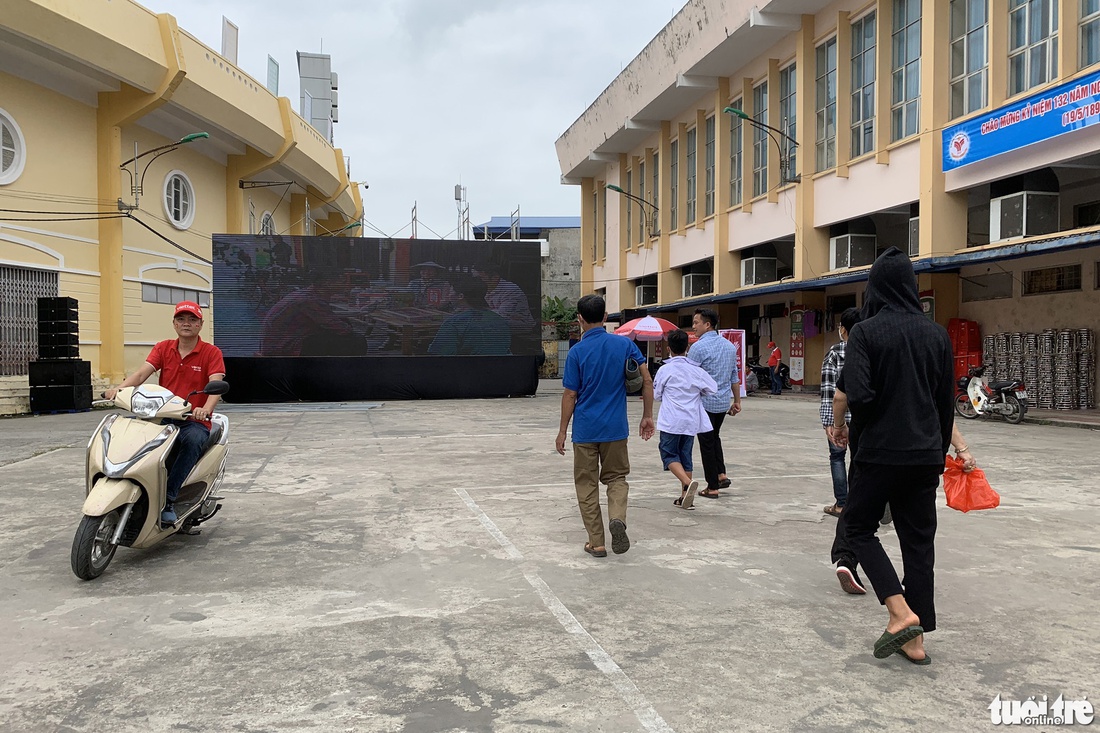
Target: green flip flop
888,643
922,662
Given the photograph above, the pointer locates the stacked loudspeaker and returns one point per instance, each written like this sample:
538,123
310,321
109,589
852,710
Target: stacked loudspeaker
59,380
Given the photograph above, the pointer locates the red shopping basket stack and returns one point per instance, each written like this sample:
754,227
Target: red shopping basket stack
966,344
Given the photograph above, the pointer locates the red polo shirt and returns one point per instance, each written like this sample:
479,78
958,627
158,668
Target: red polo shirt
190,373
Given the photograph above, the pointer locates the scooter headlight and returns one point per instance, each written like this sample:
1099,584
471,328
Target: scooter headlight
143,406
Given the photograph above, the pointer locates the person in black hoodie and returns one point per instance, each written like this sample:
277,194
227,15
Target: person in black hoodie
898,383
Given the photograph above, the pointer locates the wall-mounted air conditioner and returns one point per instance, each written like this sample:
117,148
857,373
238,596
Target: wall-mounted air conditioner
694,284
645,295
759,270
851,250
914,237
1023,214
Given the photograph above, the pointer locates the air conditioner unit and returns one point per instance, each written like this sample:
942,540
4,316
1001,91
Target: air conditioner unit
851,250
645,295
914,237
1023,214
759,270
696,283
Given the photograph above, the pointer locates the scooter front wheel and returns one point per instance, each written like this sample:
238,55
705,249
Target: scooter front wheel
964,407
92,546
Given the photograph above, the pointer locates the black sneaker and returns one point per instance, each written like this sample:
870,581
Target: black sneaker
620,543
849,580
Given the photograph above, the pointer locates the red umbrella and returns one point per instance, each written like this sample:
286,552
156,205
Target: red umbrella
648,328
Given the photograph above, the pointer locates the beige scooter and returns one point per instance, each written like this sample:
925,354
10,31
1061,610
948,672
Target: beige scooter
127,476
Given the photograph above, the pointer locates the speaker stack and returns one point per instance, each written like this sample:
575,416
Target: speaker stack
59,380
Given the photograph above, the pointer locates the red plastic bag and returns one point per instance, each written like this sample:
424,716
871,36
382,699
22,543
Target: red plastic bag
967,491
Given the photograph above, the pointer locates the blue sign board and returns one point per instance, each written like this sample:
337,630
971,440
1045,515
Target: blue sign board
1061,109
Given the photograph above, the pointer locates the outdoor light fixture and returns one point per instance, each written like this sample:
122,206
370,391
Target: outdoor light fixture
785,175
652,223
137,182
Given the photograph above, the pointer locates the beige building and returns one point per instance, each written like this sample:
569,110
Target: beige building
961,131
85,85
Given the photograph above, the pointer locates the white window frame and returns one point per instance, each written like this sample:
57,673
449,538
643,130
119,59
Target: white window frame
691,157
189,216
267,224
760,140
863,93
905,72
788,115
673,184
709,140
642,213
629,187
19,160
1028,53
737,150
1089,23
152,292
969,57
825,70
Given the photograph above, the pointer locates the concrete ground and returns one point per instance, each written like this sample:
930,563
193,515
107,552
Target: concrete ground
418,567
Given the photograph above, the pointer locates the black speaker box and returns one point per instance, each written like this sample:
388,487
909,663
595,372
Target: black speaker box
61,399
57,309
58,352
58,327
57,339
67,373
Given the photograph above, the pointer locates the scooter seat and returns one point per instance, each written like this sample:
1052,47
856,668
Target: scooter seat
218,425
1004,384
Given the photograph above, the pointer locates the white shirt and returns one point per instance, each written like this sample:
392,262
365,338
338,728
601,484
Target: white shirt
680,385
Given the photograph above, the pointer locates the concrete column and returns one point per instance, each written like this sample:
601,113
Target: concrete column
774,121
668,285
943,216
811,245
843,93
997,57
726,264
748,106
884,55
1069,37
588,237
112,351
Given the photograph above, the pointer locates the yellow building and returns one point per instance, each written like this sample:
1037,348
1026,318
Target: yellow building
961,131
85,85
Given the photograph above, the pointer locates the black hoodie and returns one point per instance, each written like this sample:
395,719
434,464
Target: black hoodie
898,373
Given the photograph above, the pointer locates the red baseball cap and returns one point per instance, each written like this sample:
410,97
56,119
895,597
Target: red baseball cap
188,306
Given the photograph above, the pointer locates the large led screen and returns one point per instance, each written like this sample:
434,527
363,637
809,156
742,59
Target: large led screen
294,298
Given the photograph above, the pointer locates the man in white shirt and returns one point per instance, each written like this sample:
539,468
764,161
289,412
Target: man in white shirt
680,385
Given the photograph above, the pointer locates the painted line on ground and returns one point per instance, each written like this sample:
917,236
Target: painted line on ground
631,695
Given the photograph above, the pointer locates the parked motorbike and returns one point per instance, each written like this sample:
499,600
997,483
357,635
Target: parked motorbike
1006,398
763,373
127,474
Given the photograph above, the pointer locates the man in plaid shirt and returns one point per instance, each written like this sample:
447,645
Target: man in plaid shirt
718,357
842,555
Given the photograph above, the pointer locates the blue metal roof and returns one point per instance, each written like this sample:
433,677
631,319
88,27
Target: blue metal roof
527,224
948,263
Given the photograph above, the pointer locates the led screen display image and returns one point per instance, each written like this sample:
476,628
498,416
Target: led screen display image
280,302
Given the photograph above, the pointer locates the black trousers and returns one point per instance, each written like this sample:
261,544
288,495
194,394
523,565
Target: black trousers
710,448
911,493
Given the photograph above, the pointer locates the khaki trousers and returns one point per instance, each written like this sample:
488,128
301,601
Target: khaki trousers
594,463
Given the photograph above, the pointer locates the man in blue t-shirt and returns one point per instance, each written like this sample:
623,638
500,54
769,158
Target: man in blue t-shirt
595,395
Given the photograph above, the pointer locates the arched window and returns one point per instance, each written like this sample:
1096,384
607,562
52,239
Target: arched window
13,149
179,200
267,224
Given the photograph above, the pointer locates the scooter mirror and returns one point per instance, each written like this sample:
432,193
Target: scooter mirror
216,387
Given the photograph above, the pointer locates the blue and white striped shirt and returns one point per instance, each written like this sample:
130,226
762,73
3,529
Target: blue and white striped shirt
718,357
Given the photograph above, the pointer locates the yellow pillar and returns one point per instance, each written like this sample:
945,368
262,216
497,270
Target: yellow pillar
811,245
1068,37
726,264
998,56
943,216
774,121
668,284
748,106
114,111
588,237
243,167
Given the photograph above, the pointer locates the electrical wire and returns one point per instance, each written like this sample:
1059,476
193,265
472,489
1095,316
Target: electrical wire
200,258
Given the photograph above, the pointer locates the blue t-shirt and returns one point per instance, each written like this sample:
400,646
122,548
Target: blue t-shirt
594,370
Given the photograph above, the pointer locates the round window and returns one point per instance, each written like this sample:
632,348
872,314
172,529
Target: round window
179,200
13,149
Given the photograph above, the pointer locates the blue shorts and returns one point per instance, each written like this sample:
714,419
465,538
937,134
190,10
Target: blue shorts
676,449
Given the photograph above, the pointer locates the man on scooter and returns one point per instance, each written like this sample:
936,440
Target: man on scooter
186,364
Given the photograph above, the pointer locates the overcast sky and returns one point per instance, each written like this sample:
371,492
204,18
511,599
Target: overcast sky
438,92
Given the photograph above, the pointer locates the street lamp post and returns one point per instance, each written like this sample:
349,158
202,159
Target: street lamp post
650,220
784,157
137,182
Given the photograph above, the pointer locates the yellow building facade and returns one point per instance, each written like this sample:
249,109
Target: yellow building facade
762,153
86,85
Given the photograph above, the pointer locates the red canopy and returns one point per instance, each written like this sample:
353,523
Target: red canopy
649,328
